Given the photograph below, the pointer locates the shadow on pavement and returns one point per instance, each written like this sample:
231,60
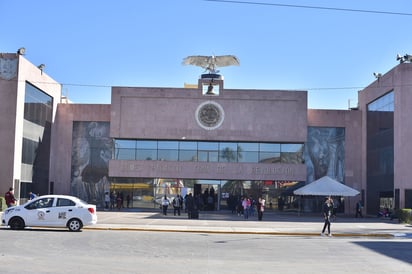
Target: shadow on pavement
398,250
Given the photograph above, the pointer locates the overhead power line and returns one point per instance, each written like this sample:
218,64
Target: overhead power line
311,7
291,88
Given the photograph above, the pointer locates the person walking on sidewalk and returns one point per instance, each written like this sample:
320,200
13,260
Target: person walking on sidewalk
106,200
190,205
327,213
261,208
177,205
9,197
246,206
359,209
165,204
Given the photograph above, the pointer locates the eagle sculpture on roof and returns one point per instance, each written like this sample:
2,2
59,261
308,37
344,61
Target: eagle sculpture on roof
210,63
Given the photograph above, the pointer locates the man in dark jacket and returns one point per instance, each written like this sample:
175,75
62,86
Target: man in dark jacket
177,205
359,209
190,205
9,197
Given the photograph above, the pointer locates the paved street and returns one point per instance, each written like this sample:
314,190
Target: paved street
123,251
219,242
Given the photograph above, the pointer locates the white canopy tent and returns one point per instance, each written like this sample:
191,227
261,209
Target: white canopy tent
326,186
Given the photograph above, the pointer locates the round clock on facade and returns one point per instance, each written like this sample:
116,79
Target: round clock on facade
209,115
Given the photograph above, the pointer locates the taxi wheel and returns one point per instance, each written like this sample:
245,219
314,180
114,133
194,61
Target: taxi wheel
74,225
16,223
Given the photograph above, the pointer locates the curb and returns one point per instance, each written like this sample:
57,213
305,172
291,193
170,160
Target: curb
370,235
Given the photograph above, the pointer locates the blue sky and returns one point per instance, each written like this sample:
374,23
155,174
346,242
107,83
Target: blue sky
89,46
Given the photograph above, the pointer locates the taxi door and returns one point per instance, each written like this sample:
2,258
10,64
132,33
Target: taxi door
38,212
63,210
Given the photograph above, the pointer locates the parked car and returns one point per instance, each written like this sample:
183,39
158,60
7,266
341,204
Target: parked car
51,211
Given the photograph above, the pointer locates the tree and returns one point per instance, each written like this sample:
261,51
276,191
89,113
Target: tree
230,155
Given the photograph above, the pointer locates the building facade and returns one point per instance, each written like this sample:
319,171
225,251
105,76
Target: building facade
216,143
28,102
385,107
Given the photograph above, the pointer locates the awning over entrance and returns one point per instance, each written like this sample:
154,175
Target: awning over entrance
326,186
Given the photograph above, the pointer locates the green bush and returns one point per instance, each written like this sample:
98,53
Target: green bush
404,215
3,205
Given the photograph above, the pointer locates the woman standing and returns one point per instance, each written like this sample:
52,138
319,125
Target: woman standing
327,212
165,204
261,208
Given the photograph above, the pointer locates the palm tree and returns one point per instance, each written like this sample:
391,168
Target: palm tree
234,187
230,155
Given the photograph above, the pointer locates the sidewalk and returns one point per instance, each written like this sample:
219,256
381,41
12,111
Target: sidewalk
274,223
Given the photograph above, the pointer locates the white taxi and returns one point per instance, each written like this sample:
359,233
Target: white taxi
51,211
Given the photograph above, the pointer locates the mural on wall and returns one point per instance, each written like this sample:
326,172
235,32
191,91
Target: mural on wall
91,151
325,153
8,68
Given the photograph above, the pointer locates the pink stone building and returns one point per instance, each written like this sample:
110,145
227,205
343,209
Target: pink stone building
219,143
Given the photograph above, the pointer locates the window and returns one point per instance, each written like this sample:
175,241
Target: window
168,150
267,147
208,151
29,151
384,103
228,152
41,203
380,146
203,151
65,202
38,106
291,147
38,113
125,149
269,157
291,153
141,144
146,150
187,151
